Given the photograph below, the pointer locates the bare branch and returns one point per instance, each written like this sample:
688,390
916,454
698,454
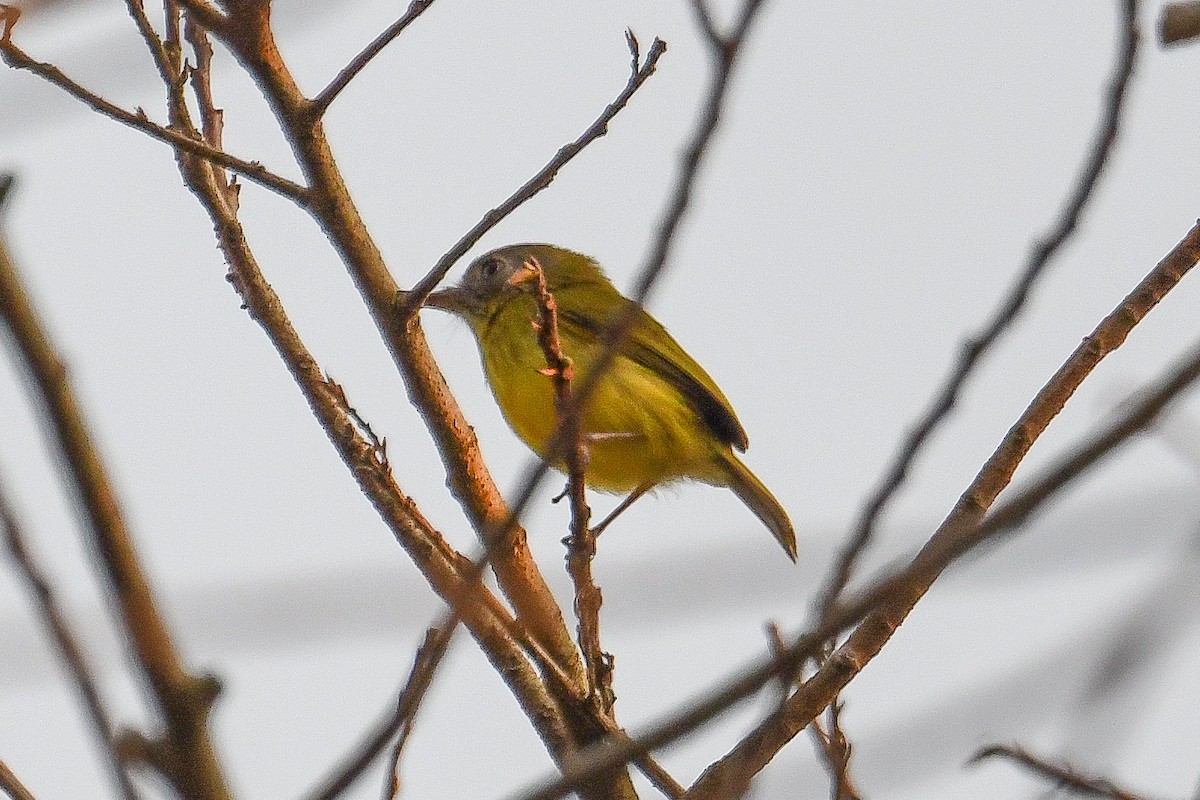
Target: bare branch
975,348
55,621
320,104
705,21
1063,775
411,301
167,68
12,786
17,58
183,699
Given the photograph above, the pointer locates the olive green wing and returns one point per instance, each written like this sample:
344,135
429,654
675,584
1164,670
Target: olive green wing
650,345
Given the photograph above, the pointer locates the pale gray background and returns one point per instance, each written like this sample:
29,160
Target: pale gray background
882,171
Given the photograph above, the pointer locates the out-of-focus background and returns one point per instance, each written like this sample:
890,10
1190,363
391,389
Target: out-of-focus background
880,176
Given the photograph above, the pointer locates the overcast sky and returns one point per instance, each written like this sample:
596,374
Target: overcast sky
882,171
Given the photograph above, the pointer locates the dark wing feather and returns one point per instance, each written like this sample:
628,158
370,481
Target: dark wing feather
650,345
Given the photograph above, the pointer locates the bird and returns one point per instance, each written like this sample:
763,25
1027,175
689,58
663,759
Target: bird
654,417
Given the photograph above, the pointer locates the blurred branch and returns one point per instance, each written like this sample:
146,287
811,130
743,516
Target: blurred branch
320,103
1063,775
431,652
55,621
978,346
188,760
17,58
12,786
1179,23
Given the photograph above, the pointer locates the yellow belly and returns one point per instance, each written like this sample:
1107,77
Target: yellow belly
640,431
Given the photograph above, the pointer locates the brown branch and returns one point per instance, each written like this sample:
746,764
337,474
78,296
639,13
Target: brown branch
183,699
641,71
446,570
205,14
581,544
981,343
69,649
1063,775
884,604
168,72
17,58
12,786
320,103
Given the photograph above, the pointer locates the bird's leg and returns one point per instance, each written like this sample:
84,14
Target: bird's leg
616,512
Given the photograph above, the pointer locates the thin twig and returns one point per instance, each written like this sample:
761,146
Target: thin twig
168,72
885,602
581,544
1063,775
55,621
411,301
17,58
12,786
835,750
437,640
975,348
320,103
212,119
183,699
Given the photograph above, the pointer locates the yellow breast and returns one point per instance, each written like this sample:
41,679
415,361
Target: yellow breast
639,428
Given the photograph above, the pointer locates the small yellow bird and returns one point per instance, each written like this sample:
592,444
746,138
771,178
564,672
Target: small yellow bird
654,417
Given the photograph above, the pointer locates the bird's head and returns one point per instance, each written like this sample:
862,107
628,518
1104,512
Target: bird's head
504,273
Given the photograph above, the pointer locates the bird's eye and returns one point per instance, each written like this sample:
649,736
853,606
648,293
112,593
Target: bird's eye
490,266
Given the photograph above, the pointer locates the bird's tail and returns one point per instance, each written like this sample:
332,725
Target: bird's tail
758,498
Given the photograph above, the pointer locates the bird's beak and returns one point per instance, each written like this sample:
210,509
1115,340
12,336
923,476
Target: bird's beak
454,300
